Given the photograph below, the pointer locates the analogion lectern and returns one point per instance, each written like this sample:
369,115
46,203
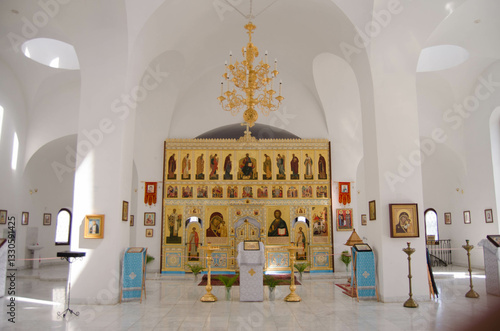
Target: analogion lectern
251,261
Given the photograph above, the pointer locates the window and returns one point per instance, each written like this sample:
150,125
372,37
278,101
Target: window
63,227
1,121
300,219
15,151
431,223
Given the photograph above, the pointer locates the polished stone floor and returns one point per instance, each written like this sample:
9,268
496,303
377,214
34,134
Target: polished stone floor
173,304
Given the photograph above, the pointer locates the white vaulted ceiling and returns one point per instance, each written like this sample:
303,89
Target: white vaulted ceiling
192,39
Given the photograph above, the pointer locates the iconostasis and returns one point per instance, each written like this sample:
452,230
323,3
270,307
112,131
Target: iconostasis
224,191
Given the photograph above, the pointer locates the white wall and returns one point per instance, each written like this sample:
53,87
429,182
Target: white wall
55,114
14,196
53,192
463,161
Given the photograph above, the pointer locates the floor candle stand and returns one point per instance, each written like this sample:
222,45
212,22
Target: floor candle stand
410,303
471,293
209,297
293,297
70,257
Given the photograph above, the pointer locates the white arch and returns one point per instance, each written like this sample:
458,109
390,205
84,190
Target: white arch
338,90
495,151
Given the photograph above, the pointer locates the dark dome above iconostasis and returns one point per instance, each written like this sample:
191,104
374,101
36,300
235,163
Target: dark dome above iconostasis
259,131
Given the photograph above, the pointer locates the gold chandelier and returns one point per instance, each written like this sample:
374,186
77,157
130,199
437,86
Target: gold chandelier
255,84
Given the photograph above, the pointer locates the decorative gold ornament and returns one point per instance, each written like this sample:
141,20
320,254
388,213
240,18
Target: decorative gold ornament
410,303
209,297
292,297
255,84
353,239
471,294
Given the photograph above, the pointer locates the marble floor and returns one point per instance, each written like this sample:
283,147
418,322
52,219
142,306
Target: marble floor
173,303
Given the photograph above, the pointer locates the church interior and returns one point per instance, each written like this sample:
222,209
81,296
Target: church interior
189,127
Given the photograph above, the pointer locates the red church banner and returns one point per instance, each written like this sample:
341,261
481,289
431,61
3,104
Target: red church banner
150,193
344,192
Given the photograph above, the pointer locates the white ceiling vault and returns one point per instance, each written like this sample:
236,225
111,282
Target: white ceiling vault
323,87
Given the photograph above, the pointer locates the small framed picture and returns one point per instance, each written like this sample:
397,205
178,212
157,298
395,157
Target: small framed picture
344,219
47,219
467,217
494,239
363,219
251,245
131,220
447,218
149,232
363,247
3,216
404,220
125,211
372,210
488,215
94,227
149,219
25,218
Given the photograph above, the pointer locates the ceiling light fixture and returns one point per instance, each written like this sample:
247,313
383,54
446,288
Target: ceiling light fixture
248,85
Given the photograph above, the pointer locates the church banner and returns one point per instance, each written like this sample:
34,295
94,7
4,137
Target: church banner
344,193
150,193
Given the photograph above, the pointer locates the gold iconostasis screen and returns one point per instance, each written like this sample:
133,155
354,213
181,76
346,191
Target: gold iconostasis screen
225,191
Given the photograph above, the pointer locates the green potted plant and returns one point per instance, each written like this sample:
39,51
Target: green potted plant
149,258
271,282
301,267
195,269
345,257
228,283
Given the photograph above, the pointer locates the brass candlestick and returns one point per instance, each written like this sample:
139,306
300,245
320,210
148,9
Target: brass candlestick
471,293
209,297
292,297
410,303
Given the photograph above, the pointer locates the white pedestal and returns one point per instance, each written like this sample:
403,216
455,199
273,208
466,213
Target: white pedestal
491,266
251,265
251,283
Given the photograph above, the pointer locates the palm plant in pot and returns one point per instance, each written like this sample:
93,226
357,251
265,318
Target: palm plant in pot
271,282
195,269
301,267
228,283
345,257
149,259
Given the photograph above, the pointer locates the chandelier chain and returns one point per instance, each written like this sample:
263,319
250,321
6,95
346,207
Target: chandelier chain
250,16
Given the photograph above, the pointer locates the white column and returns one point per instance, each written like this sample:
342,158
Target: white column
104,156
